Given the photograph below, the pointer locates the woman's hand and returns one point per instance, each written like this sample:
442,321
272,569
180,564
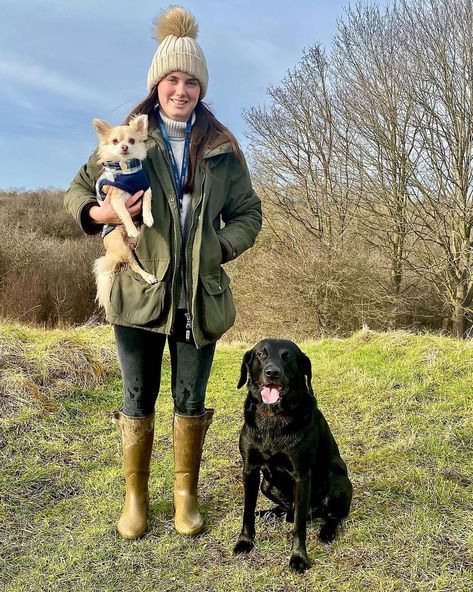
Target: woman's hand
105,214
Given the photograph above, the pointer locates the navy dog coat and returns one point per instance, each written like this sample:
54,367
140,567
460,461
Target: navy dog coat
128,176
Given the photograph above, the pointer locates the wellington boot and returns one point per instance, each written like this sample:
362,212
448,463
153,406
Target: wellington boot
189,435
137,436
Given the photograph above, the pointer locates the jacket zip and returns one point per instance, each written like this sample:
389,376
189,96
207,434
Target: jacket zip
179,239
187,275
188,325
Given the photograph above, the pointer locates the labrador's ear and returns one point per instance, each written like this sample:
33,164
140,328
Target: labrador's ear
245,363
307,370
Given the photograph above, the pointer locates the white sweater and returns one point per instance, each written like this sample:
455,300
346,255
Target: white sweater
177,136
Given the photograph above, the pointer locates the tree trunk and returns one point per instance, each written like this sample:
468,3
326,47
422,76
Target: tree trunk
458,314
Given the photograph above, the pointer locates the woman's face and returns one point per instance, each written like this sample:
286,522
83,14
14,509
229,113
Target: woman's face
178,94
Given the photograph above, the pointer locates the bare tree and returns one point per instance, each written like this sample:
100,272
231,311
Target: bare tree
371,85
375,141
439,45
293,151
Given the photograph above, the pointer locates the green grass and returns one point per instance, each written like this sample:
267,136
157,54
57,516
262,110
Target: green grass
399,405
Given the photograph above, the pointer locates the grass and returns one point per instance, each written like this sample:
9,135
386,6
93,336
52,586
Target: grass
400,406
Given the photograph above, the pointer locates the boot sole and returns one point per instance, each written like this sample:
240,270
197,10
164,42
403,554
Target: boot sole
185,531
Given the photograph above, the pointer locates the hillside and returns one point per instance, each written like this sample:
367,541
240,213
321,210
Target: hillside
400,406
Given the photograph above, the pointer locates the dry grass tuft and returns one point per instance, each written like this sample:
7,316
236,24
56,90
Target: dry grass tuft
39,372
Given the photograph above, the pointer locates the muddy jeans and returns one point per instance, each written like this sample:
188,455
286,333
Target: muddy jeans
140,353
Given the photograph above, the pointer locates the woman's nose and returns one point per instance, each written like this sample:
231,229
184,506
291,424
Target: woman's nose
180,89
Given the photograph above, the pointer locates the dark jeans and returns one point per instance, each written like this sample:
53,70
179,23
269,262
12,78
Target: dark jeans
141,352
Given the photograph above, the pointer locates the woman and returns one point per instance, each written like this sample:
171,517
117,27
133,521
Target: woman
198,180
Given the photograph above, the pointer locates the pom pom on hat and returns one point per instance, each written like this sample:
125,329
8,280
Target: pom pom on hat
176,32
176,22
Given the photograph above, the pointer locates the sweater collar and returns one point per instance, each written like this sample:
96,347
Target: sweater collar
176,129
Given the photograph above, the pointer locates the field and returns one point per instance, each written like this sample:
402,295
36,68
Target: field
400,406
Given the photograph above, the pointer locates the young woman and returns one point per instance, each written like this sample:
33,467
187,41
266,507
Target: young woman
205,214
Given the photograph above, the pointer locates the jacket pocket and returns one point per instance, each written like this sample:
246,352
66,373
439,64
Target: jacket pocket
137,302
217,307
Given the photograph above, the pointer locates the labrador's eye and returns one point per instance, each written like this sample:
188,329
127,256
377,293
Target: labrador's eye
261,355
286,355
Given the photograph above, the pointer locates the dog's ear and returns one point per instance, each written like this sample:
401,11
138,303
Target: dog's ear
307,369
101,127
245,363
139,123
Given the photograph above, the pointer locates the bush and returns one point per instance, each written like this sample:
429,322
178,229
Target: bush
46,281
40,211
289,287
45,261
302,289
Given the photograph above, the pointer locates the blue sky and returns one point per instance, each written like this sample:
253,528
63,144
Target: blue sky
62,63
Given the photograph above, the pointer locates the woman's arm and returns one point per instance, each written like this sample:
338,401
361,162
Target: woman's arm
80,197
105,214
241,214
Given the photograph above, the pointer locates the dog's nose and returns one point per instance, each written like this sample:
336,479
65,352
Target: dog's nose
124,148
272,373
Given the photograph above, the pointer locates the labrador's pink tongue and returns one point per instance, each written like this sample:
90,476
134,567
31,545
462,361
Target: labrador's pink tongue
270,394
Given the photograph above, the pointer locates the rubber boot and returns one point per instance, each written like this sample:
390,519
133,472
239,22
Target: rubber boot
189,435
137,437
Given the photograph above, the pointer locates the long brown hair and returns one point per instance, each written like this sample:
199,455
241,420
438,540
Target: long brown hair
207,133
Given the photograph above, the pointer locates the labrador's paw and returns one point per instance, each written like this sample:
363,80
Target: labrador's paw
243,546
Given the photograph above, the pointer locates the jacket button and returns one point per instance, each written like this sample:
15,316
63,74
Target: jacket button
171,199
234,254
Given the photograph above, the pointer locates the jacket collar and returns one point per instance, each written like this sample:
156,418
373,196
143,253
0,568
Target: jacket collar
224,148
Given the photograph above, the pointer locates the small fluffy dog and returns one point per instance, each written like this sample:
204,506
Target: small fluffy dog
121,150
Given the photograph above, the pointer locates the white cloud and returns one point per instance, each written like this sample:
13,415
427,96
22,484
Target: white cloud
40,77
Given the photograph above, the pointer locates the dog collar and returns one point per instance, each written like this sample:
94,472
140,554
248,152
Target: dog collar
267,413
129,166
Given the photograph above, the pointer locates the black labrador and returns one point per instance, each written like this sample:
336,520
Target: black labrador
286,437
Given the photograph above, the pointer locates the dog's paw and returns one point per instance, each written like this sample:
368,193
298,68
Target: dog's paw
148,220
243,546
299,563
152,279
133,232
327,532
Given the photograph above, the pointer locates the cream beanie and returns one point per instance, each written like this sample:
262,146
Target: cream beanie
176,32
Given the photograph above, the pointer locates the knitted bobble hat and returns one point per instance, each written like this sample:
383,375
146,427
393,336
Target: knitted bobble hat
176,33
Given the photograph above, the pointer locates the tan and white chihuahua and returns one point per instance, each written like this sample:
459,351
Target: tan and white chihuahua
120,151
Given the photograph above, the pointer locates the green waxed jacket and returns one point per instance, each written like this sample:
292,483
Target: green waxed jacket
222,194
